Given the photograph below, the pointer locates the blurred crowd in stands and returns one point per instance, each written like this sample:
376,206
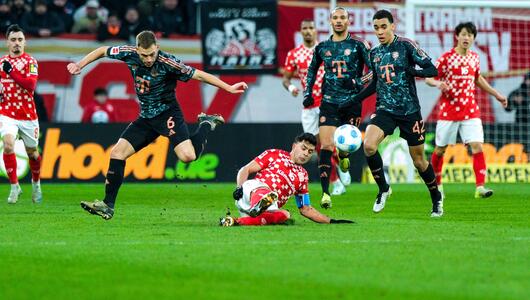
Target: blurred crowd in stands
106,19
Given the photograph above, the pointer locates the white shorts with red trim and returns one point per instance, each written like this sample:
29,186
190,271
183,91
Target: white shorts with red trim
469,130
249,186
310,120
28,131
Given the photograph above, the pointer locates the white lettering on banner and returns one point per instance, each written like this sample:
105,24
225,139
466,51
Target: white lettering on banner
234,60
430,22
426,19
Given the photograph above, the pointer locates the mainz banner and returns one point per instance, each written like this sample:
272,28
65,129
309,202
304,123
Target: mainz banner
239,37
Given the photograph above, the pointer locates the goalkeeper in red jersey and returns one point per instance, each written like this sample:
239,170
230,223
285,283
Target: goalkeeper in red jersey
458,74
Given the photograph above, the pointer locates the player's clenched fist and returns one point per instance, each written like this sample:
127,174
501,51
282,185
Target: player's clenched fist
73,68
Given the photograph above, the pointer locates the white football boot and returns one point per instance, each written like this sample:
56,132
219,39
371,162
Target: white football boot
380,201
338,188
13,195
345,177
36,195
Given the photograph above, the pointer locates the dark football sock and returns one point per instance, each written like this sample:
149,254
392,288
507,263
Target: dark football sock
375,163
198,138
429,178
114,181
325,169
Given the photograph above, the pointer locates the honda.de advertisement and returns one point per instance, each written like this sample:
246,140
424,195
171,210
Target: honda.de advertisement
239,37
68,155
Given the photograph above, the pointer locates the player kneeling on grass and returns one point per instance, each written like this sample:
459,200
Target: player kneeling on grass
279,174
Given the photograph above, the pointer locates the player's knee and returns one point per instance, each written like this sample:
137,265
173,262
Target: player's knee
118,153
440,151
187,156
286,214
33,153
9,147
420,163
476,147
369,149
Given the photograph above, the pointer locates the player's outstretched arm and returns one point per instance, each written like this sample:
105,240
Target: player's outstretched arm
484,85
441,85
75,68
427,69
237,88
314,215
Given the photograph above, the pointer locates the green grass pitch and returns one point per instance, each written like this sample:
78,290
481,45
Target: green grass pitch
164,242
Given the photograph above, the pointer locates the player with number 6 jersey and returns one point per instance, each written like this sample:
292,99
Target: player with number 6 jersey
155,75
18,117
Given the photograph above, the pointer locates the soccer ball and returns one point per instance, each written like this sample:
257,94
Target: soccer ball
347,138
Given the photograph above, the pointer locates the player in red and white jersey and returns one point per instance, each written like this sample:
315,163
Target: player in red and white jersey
18,116
279,175
297,62
458,74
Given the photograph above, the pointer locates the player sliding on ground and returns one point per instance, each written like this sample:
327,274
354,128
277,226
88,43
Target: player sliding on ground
155,75
458,73
393,63
279,174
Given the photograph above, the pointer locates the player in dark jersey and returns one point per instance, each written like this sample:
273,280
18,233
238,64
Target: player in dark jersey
344,58
155,75
394,65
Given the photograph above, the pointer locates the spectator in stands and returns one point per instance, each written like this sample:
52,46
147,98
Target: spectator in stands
6,17
169,18
41,22
113,29
82,11
519,100
134,24
90,21
100,111
65,11
18,9
118,7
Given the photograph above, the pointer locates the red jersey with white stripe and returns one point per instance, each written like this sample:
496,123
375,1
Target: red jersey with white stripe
298,59
281,174
459,73
17,102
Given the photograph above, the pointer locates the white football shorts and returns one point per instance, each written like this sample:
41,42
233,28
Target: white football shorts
469,130
28,131
310,120
244,203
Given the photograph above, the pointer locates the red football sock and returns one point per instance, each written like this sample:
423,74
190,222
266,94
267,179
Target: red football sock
34,165
266,218
479,166
10,162
437,162
257,195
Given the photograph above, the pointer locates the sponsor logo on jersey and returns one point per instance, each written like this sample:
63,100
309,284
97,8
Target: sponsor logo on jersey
33,69
114,50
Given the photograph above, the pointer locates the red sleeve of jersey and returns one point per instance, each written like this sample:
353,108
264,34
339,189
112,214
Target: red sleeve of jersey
304,185
290,65
440,66
265,158
28,83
